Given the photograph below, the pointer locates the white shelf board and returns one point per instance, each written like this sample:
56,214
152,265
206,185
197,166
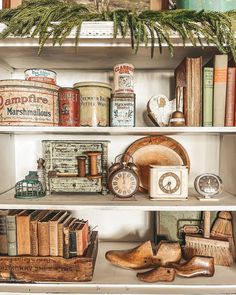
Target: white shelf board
141,202
24,130
109,279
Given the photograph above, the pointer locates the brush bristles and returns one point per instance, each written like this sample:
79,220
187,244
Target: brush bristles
221,254
222,228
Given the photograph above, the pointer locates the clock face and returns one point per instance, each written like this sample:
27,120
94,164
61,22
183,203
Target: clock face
208,184
169,183
124,183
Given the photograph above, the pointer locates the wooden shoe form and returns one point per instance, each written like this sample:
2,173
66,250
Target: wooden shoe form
195,267
143,256
159,274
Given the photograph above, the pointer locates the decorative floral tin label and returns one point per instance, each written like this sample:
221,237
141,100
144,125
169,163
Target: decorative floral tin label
122,112
124,78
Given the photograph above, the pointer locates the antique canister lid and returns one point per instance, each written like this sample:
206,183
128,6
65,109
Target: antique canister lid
39,69
25,83
92,84
123,95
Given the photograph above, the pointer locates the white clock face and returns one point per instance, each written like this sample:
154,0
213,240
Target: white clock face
124,183
169,183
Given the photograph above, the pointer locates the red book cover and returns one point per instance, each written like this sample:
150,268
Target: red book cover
230,97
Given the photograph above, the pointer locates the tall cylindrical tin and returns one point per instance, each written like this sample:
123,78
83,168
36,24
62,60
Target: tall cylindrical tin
94,103
41,75
69,107
122,110
124,78
28,103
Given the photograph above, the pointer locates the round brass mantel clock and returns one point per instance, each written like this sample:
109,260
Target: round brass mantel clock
208,185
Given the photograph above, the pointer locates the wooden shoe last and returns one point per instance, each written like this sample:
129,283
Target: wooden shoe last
143,256
159,274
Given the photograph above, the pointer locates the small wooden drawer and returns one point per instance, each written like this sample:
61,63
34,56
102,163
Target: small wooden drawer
40,269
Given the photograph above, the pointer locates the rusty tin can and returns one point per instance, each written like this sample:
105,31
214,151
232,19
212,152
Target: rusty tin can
41,75
124,78
122,110
94,103
28,103
69,107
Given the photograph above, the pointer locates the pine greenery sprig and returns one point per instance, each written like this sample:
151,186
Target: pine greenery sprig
54,20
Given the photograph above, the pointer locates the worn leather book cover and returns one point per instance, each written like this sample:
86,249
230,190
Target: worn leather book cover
34,231
23,232
53,232
220,83
230,97
82,233
66,245
3,232
189,76
44,234
61,226
72,240
11,232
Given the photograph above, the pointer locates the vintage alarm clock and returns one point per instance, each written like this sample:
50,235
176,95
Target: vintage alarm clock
123,180
168,182
208,185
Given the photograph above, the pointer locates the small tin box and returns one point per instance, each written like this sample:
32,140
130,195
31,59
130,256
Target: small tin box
122,110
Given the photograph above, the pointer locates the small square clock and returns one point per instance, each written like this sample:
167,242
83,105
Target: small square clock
168,182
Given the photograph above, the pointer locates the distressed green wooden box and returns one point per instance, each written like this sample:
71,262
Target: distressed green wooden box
61,158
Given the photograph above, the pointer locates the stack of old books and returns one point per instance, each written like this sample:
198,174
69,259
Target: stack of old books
42,233
209,91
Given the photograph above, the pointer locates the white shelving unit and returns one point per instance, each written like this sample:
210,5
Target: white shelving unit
211,149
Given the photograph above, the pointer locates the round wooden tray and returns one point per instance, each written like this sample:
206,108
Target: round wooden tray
155,150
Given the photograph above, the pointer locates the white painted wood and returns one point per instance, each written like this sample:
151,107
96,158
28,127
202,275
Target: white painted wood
109,279
141,202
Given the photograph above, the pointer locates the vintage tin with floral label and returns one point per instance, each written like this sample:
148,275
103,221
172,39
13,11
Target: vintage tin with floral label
69,107
122,110
28,103
41,75
124,78
94,103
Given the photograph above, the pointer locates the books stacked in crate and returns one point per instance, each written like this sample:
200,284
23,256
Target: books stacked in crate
209,91
42,233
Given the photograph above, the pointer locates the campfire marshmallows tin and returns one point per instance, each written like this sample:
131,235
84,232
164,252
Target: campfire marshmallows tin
69,107
94,103
124,78
122,110
28,103
41,75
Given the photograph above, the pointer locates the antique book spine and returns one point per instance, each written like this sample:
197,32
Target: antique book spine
230,97
208,74
72,243
66,244
23,235
34,237
43,239
61,227
3,235
79,241
220,81
53,236
11,235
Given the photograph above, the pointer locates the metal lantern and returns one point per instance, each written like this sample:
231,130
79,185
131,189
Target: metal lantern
30,187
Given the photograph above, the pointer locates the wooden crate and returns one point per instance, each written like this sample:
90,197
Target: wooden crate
40,269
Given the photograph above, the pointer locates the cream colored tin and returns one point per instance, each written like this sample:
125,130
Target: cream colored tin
41,75
124,78
94,103
28,103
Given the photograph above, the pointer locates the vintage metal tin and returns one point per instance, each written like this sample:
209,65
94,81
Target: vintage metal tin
69,107
124,78
28,103
122,110
94,103
41,75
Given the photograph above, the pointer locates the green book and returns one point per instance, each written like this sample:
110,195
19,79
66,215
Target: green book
208,77
11,232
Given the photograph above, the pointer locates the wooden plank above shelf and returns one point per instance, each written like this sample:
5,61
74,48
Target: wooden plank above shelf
97,201
22,130
109,279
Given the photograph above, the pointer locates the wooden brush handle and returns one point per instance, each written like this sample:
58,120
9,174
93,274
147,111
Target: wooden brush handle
207,224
